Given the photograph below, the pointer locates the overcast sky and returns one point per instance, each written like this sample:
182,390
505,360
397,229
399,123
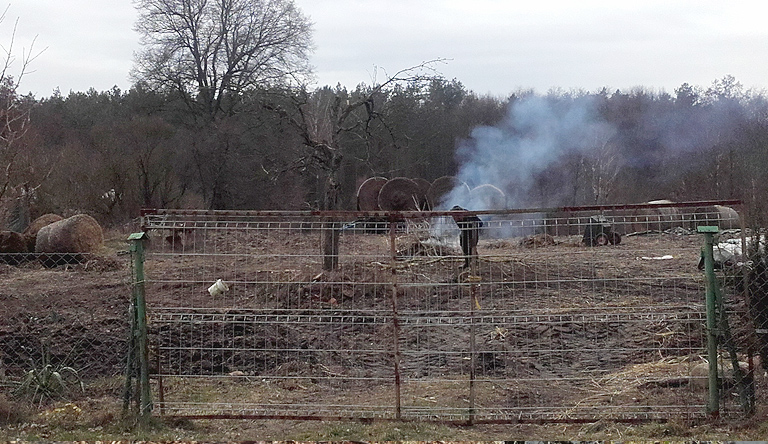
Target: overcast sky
491,46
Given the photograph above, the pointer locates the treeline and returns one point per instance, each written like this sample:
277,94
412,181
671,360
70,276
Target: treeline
112,153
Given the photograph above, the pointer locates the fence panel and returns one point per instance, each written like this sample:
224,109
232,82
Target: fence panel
563,316
66,311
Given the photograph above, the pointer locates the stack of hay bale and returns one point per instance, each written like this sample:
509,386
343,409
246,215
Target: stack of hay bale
54,240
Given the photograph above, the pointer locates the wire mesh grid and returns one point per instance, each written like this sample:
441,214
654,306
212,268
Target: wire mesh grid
562,316
63,311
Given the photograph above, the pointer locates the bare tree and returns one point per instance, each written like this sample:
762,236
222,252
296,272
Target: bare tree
14,123
148,142
16,179
211,51
211,54
324,119
602,168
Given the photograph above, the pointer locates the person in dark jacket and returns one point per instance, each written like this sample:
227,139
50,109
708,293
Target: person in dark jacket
469,226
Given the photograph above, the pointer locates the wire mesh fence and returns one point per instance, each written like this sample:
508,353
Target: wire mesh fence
61,311
575,314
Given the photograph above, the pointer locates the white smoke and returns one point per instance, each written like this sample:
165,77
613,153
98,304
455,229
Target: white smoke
536,132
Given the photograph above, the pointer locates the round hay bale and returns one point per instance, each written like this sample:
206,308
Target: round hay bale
13,247
368,194
399,194
703,216
657,219
715,215
12,242
30,234
487,197
442,187
77,234
424,186
729,218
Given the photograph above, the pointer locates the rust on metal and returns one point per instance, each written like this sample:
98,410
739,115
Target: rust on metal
395,323
399,215
372,420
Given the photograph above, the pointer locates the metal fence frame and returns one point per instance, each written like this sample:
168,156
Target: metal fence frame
404,333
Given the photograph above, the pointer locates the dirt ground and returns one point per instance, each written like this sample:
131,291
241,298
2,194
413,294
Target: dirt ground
77,316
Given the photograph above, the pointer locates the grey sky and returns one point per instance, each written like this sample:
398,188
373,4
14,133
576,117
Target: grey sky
491,46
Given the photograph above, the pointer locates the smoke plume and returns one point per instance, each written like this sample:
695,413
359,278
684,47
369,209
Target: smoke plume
536,132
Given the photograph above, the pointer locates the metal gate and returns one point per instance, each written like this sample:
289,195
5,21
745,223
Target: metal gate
550,322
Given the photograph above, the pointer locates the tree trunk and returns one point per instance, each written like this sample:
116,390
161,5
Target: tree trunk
330,226
218,170
330,229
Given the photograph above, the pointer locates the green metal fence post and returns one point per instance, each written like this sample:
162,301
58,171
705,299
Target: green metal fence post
131,358
472,345
713,406
145,395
